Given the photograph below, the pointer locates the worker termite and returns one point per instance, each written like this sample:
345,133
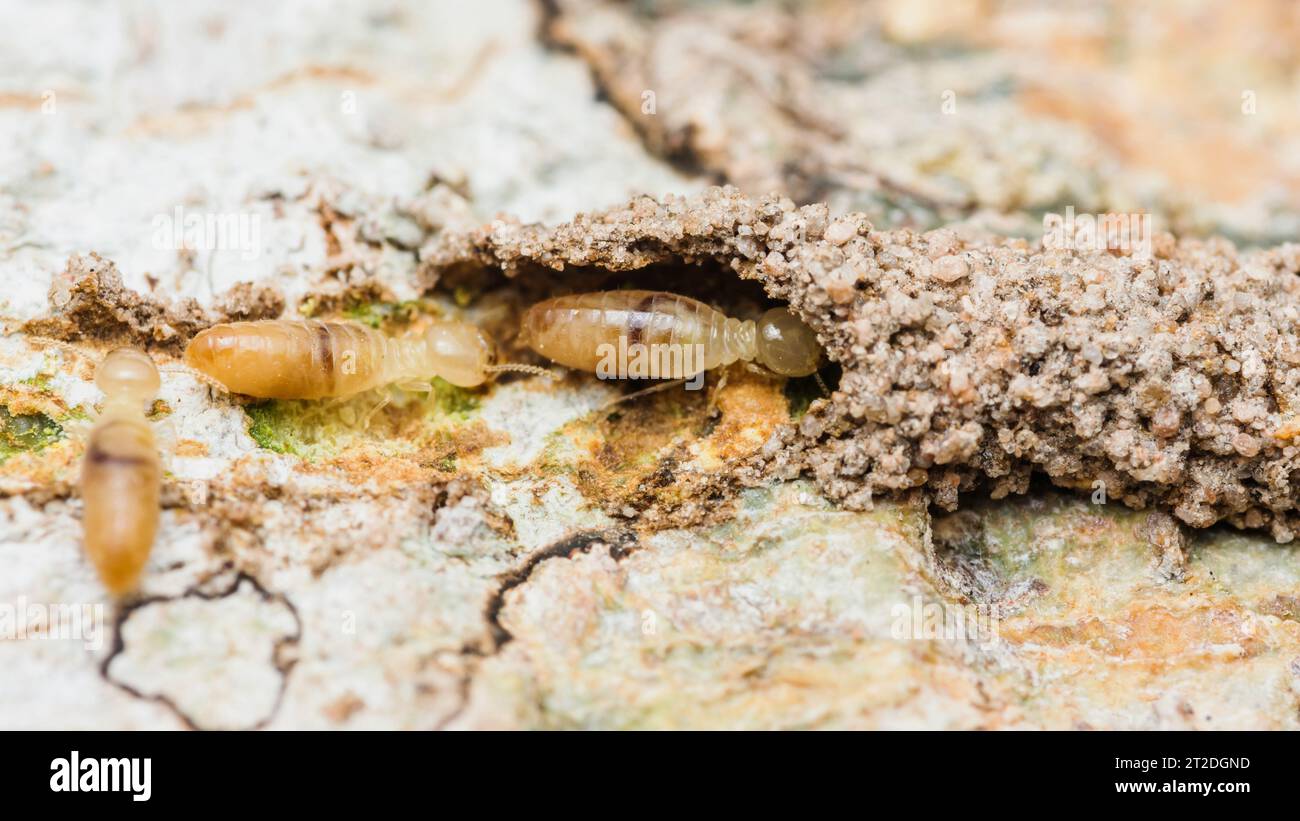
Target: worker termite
121,472
312,359
655,334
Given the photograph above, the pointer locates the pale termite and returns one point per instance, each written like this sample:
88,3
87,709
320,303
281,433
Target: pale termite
121,473
313,359
581,331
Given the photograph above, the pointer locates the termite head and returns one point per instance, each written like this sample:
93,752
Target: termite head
128,373
786,345
461,353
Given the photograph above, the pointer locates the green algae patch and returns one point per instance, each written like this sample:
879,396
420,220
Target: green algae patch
374,313
309,430
26,433
382,314
322,430
39,381
456,404
271,427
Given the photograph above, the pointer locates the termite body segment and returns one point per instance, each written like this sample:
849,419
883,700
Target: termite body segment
311,359
580,330
121,474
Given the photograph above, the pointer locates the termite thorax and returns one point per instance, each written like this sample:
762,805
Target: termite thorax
408,358
123,405
740,340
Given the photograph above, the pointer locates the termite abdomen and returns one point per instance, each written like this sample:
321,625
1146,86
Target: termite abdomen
288,360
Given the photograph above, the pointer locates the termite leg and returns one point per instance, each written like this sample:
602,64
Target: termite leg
165,436
416,386
662,386
384,399
346,412
717,389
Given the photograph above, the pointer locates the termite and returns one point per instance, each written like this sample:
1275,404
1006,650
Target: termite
313,359
582,330
121,473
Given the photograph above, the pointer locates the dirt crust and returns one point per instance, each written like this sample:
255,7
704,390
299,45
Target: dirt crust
1166,380
88,301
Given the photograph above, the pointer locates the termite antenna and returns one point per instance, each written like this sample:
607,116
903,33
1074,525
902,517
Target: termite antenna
49,342
198,375
825,390
522,368
59,344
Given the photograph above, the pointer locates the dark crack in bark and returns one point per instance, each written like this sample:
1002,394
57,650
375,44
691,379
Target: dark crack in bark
621,544
281,658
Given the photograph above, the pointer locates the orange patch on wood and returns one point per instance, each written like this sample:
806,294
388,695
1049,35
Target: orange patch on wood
190,447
